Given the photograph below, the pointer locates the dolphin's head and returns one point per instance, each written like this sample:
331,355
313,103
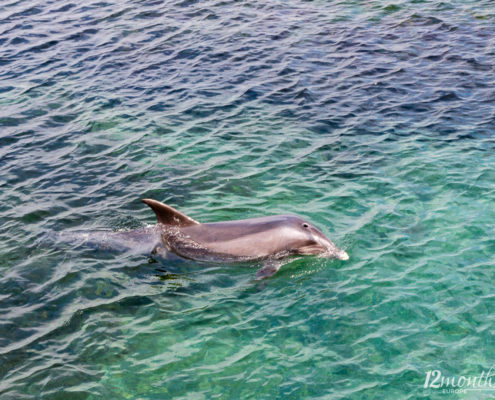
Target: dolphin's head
311,241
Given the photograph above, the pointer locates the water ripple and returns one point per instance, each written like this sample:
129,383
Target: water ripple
374,120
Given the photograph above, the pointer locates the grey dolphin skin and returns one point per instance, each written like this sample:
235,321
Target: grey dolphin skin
269,239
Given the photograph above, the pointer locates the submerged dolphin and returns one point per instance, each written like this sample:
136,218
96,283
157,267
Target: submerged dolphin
266,238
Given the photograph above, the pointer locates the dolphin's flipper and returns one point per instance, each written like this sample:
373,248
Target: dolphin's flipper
268,269
167,215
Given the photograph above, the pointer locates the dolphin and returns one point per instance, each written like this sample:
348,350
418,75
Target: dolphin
268,239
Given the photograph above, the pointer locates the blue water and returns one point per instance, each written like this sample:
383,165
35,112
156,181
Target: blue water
374,120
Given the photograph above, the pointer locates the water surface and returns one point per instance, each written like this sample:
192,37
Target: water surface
374,120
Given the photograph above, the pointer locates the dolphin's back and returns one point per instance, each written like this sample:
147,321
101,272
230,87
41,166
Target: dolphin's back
249,238
228,230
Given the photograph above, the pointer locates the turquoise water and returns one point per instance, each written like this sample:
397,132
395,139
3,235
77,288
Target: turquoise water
374,120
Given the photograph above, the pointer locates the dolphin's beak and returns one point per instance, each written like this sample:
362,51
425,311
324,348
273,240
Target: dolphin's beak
331,250
343,255
334,252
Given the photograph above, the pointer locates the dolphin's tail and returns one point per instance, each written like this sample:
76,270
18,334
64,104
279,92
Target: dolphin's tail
143,240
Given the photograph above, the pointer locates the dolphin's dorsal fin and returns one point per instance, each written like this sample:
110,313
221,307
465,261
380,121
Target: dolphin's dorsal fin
167,215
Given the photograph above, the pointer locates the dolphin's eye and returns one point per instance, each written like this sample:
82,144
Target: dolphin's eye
305,225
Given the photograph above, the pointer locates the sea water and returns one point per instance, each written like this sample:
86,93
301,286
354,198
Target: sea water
372,119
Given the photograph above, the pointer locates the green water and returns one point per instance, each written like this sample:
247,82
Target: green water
374,121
